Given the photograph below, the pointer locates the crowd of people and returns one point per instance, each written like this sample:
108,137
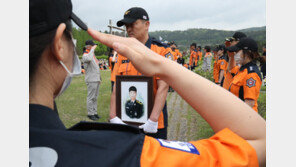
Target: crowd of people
240,133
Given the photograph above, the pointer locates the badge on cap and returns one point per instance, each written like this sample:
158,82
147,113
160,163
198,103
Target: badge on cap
145,17
251,82
126,12
178,145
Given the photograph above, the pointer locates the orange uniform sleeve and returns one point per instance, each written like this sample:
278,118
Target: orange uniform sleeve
216,71
234,70
191,56
179,54
200,55
116,66
223,65
252,86
225,148
163,52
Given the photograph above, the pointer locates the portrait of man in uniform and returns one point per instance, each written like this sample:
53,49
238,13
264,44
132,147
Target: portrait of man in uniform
134,99
133,107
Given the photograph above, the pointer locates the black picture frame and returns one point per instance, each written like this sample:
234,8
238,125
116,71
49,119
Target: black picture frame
123,81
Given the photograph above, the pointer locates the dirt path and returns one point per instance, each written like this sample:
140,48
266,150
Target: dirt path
184,123
177,108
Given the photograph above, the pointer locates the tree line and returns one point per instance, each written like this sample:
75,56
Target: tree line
200,36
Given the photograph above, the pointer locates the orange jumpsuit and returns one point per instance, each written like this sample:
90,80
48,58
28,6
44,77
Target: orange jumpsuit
215,69
221,65
193,55
199,53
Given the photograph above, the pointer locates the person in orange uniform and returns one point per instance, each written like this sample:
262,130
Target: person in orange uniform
237,142
176,53
193,56
137,24
228,76
247,82
222,63
215,65
199,53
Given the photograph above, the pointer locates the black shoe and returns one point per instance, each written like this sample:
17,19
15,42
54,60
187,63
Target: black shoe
92,117
97,116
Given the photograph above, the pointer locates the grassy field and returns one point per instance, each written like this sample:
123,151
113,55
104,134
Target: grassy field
184,122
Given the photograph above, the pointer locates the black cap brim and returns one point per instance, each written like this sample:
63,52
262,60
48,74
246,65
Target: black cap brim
125,21
77,21
233,49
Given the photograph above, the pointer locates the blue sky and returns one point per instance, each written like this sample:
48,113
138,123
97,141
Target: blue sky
177,14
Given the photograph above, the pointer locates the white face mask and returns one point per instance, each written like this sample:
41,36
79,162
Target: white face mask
237,58
76,70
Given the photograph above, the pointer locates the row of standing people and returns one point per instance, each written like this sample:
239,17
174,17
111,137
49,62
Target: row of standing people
236,70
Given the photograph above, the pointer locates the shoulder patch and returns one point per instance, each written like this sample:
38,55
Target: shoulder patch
169,56
178,145
254,69
251,82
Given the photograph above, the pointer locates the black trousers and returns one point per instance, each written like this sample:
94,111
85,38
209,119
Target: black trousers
112,85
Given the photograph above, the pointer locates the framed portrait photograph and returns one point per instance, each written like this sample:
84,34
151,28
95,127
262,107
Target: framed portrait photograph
134,98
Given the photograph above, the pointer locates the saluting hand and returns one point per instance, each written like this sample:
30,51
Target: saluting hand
94,47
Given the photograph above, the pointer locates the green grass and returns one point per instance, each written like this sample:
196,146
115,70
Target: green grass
263,88
262,104
72,104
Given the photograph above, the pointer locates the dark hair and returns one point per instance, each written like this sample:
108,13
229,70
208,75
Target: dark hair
253,55
207,48
37,45
132,88
193,44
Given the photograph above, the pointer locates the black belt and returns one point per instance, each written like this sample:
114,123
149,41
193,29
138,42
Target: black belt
125,61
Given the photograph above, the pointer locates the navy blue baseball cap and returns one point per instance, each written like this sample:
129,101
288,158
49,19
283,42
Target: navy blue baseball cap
238,35
46,15
132,15
244,44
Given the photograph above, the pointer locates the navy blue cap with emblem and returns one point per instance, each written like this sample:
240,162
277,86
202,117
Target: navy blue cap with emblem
132,15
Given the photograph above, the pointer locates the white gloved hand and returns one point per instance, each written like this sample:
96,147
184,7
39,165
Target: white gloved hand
117,120
149,126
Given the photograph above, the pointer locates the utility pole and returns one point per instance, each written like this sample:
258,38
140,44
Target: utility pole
111,27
